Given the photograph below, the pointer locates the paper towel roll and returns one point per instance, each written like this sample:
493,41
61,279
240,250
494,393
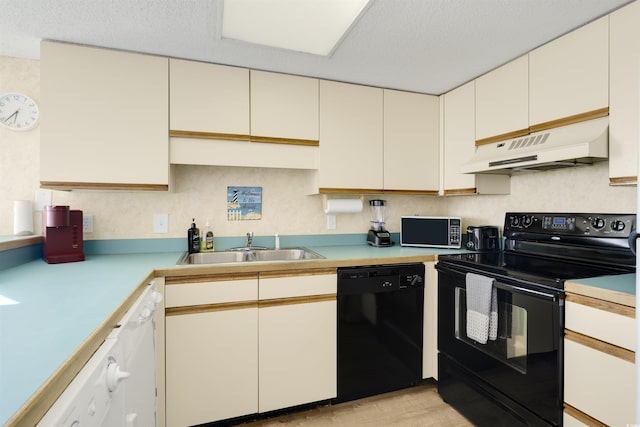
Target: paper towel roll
22,217
335,206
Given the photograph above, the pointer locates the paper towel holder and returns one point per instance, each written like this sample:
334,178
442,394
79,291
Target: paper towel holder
342,205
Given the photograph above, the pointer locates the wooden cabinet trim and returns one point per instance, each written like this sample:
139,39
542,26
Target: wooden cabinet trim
287,141
300,273
66,186
276,302
604,347
502,137
208,308
582,417
208,135
460,191
623,180
599,304
200,278
411,192
577,118
327,190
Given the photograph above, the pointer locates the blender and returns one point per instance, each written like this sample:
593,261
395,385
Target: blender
378,235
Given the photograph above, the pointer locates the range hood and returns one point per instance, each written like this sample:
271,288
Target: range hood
572,145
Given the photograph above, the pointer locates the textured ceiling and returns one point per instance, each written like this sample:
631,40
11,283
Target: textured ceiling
428,46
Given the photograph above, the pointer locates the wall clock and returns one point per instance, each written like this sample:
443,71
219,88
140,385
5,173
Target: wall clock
18,111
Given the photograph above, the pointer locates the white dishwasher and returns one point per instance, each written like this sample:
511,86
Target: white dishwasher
117,386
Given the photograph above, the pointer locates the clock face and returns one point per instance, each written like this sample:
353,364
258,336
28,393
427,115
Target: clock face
18,111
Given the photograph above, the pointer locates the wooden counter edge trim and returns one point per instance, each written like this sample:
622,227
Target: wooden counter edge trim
276,302
200,278
208,135
599,304
208,308
623,180
32,411
67,186
601,346
582,417
298,273
576,118
286,141
502,137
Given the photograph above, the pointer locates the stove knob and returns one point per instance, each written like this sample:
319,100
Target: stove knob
515,221
617,225
527,221
597,223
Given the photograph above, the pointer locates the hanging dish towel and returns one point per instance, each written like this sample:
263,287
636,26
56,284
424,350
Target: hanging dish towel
482,308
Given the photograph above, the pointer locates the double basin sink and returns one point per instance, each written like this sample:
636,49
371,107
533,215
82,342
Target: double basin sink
249,255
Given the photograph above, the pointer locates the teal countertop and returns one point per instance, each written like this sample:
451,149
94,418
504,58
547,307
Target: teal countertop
47,311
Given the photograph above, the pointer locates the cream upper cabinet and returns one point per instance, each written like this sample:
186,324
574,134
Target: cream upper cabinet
297,338
351,137
284,108
411,142
570,75
209,98
502,102
459,146
624,135
105,119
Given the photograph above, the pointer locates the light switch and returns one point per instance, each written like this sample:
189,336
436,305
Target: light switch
161,223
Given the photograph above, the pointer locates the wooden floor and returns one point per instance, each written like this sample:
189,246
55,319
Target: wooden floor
418,406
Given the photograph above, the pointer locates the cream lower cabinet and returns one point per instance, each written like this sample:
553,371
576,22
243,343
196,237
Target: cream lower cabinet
297,335
599,369
211,330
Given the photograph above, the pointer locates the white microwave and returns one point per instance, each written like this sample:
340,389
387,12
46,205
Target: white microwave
431,231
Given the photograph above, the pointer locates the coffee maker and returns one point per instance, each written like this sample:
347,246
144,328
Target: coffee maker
378,235
62,235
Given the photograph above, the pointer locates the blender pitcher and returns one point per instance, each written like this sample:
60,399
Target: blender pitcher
378,235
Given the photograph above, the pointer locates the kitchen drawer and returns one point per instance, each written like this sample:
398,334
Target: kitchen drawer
214,290
608,322
287,285
599,384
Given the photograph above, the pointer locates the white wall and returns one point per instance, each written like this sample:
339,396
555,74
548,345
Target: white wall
200,191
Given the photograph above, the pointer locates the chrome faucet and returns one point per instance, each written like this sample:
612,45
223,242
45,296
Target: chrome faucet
249,239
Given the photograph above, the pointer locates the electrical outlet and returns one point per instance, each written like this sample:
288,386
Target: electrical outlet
87,223
331,222
161,223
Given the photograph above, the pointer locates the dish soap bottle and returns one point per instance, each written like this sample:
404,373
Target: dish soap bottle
193,238
207,239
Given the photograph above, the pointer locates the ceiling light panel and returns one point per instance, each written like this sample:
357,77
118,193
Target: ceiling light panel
313,26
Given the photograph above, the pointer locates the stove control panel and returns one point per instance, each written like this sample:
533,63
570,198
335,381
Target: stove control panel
571,224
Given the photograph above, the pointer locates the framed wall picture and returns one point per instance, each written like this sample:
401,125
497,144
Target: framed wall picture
244,203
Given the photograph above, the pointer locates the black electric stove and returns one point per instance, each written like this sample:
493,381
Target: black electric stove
515,376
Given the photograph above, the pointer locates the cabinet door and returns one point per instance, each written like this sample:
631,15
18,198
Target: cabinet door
211,366
350,137
502,102
284,108
211,348
297,330
624,135
570,75
106,119
411,142
209,98
599,384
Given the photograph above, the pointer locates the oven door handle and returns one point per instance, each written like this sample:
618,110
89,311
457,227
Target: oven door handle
530,292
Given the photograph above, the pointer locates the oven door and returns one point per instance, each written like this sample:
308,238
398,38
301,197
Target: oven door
523,365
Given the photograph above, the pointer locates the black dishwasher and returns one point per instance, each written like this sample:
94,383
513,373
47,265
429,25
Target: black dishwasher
380,323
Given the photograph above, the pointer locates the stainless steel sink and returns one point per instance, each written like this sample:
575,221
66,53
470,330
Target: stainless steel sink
249,255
